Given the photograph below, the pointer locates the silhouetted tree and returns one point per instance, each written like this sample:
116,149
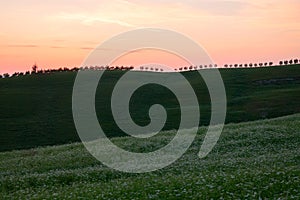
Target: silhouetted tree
250,65
246,65
270,63
40,71
291,62
216,65
6,75
236,65
281,63
240,65
255,64
225,65
34,68
296,61
260,64
75,69
286,62
15,74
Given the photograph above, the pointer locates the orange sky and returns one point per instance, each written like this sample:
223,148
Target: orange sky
62,32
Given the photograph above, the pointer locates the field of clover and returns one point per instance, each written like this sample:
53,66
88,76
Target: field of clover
251,160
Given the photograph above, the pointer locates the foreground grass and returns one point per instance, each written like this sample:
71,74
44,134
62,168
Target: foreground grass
251,160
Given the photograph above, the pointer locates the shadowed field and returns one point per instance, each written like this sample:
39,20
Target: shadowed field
36,110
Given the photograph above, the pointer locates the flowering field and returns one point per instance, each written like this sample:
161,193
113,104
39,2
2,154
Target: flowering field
252,160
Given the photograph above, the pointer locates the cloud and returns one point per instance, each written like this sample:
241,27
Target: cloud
22,45
57,47
87,48
101,49
59,40
223,7
88,19
294,31
32,46
214,7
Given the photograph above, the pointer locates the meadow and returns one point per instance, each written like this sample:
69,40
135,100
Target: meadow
252,160
36,110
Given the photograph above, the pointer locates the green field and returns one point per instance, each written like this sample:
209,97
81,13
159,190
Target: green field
36,110
252,160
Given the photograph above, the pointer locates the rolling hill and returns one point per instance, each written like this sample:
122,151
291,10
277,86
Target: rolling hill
36,110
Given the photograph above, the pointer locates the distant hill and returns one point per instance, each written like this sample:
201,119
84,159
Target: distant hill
36,110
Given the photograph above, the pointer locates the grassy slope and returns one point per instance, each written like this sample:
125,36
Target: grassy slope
36,110
251,160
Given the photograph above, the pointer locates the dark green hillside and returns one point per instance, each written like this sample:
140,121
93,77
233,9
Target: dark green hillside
36,110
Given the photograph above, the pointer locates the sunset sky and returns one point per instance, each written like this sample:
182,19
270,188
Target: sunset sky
62,32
